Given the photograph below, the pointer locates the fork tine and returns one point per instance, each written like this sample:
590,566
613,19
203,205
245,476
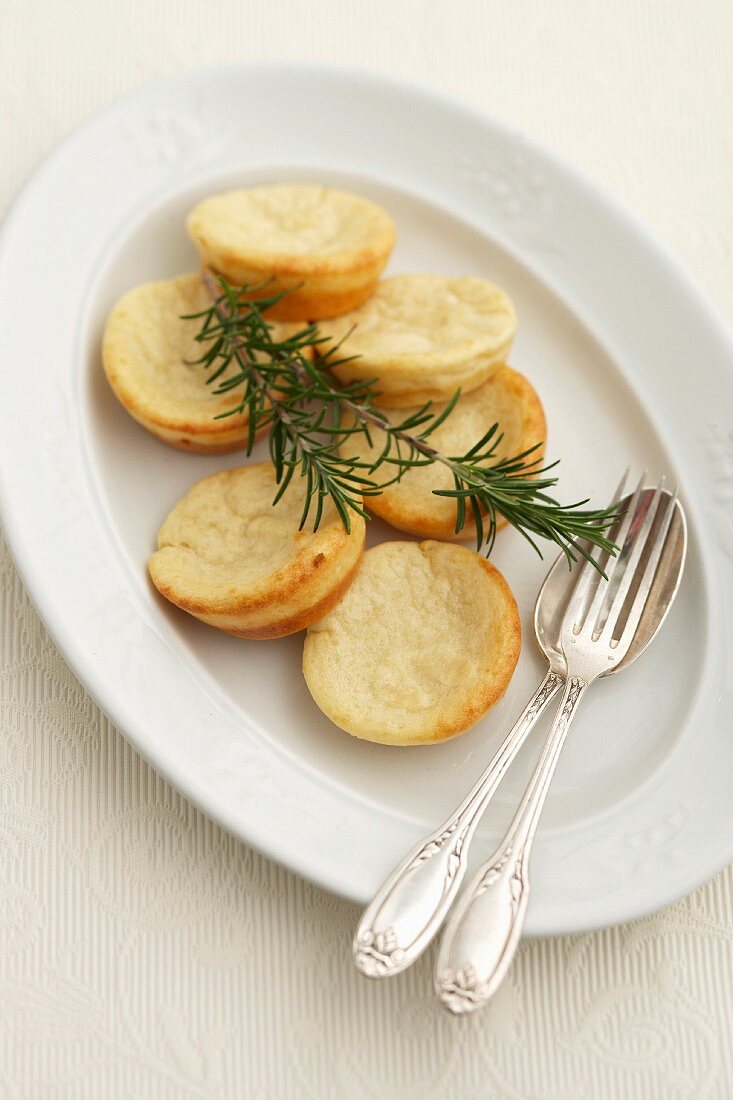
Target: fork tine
620,562
637,542
601,592
629,514
587,575
650,570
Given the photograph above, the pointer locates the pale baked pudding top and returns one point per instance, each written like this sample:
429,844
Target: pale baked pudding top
414,316
290,220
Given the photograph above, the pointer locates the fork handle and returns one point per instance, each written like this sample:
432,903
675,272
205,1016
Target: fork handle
411,904
483,930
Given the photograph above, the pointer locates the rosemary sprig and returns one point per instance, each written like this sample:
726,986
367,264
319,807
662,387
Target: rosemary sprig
309,417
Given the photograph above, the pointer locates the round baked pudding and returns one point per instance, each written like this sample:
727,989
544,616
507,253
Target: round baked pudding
232,559
410,504
421,646
325,246
149,353
422,337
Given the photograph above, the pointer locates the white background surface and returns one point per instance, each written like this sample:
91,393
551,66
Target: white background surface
143,952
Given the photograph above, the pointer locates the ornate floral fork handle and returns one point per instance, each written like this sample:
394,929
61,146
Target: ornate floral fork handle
484,928
412,903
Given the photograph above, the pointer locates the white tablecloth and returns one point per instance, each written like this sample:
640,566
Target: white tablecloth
146,954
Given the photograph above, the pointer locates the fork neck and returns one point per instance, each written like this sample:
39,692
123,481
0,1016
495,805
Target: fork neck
524,823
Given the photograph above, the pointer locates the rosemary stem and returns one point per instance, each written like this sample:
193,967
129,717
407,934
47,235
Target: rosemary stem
361,412
248,366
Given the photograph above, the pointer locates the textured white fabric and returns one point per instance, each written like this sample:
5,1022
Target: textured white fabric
143,952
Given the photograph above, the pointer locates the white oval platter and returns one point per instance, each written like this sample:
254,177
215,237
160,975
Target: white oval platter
633,366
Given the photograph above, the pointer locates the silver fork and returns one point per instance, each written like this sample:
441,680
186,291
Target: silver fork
599,625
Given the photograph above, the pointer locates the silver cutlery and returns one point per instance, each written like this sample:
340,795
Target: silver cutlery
593,627
411,904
